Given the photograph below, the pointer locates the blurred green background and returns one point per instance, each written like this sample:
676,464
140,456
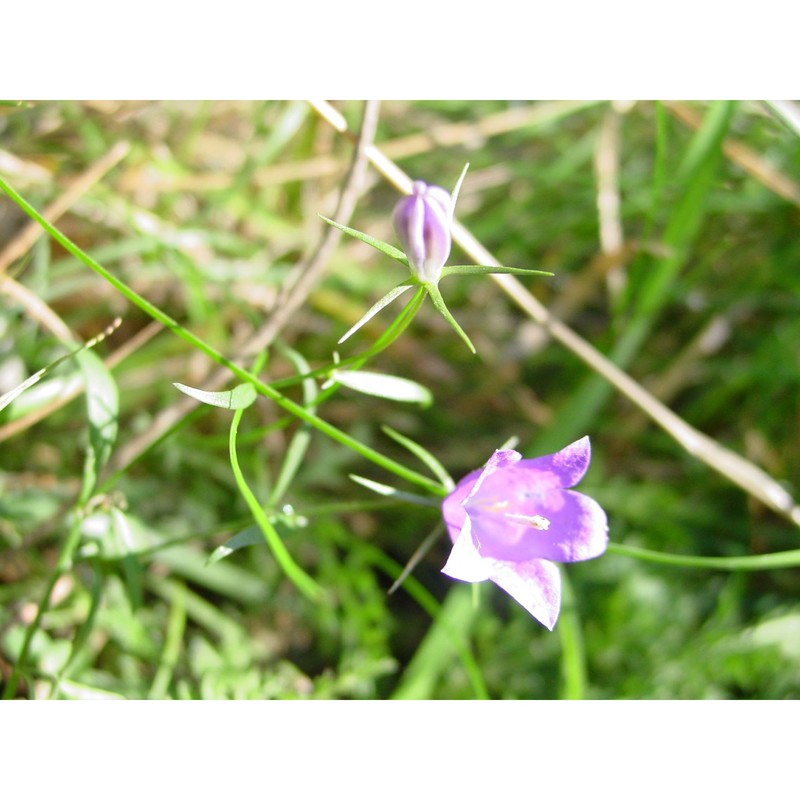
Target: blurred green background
672,230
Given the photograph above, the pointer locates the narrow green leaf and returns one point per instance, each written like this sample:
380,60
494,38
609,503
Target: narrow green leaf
112,534
245,538
14,393
73,690
446,638
573,650
438,302
389,491
427,601
176,626
430,461
131,568
35,397
456,190
382,303
388,386
240,396
224,578
384,247
296,451
477,269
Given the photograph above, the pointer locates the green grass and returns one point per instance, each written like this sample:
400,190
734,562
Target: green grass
116,502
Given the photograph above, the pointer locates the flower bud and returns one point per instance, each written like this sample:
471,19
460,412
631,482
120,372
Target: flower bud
422,221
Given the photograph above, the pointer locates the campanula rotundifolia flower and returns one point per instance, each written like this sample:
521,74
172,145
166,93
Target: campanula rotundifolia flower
512,520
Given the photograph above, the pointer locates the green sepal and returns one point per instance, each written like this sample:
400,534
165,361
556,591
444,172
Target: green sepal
384,247
381,304
438,302
430,461
476,269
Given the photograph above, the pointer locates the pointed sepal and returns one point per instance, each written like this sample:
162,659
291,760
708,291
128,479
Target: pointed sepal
381,304
477,269
384,247
438,302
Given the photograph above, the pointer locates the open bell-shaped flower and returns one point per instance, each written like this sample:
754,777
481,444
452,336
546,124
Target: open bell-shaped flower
510,521
422,221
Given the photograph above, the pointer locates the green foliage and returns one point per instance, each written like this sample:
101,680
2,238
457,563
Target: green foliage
146,518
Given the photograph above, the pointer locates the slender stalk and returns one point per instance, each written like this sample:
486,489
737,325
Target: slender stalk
733,466
263,388
176,626
783,560
451,629
573,651
307,585
400,323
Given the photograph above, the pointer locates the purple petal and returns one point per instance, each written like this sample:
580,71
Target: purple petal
409,222
452,506
577,530
440,196
498,460
437,240
535,585
512,519
422,222
568,465
465,562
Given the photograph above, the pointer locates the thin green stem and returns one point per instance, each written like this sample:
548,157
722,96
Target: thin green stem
399,324
263,388
176,626
573,651
451,628
451,634
783,560
307,585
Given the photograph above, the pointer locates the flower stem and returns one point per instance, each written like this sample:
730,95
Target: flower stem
783,560
400,323
573,651
263,388
307,585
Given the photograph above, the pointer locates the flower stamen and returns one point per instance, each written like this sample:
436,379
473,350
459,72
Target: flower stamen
536,521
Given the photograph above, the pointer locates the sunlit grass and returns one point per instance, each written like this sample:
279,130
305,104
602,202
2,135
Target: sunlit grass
685,278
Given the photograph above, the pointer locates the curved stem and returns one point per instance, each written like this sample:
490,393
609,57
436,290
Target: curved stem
784,560
307,585
400,323
263,388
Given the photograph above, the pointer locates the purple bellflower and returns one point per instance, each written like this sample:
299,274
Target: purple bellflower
510,521
422,221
